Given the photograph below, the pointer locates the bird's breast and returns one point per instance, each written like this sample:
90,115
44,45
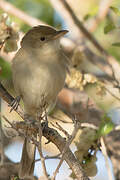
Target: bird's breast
38,80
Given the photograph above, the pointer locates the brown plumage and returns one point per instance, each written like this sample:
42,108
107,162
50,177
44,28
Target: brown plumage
39,70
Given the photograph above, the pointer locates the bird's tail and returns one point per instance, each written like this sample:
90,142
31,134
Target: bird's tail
27,160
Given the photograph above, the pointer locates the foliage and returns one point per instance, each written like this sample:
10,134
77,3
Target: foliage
109,27
5,71
86,150
40,9
115,10
106,126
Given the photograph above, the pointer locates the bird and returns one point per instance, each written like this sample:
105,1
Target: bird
39,70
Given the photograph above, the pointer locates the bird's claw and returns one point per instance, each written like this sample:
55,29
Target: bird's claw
15,103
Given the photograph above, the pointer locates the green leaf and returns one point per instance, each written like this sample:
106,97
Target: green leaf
109,27
86,17
92,13
5,72
106,126
115,10
117,44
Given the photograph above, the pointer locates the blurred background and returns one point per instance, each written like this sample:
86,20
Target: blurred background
91,75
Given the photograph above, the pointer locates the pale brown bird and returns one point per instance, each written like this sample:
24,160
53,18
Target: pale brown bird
39,71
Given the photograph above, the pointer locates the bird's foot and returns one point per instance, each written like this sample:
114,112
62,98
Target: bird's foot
44,125
29,119
15,103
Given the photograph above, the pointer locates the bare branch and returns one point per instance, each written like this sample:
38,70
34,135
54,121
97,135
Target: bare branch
59,141
112,94
111,60
76,128
50,157
40,152
82,29
9,8
53,136
59,7
104,151
58,126
2,140
8,98
103,10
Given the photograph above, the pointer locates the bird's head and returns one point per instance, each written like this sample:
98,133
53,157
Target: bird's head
40,35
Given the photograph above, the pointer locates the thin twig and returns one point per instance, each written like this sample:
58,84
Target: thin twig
61,129
33,21
89,125
82,29
76,128
54,137
40,152
59,119
104,151
111,60
2,140
103,11
8,98
50,157
113,95
59,7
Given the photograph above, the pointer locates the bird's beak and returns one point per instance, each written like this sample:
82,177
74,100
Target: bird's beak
60,33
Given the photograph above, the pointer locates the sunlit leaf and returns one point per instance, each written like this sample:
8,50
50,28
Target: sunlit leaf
109,27
115,10
116,44
92,13
106,126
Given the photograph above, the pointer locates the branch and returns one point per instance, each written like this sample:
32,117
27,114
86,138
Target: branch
113,67
2,141
103,10
41,153
81,27
8,98
111,60
50,157
104,152
59,7
9,8
76,128
54,137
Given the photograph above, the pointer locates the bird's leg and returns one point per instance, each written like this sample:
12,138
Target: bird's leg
29,119
45,118
15,103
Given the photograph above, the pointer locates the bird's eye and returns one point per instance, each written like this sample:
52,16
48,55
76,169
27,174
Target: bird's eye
42,38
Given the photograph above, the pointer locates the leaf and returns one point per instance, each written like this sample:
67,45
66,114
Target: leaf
5,72
106,126
115,10
109,27
86,17
92,13
117,44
